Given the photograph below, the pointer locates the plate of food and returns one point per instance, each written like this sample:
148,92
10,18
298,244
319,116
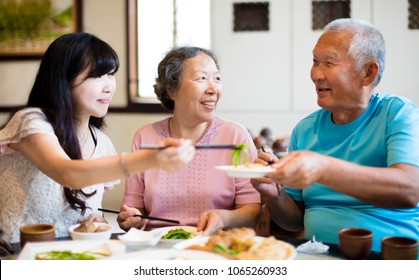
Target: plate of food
247,170
71,250
168,254
241,244
174,234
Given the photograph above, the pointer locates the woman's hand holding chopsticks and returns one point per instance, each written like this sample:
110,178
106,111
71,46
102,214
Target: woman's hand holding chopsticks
127,218
177,154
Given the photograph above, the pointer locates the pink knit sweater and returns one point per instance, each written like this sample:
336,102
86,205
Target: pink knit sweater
183,195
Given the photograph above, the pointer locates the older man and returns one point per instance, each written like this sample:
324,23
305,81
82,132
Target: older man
353,163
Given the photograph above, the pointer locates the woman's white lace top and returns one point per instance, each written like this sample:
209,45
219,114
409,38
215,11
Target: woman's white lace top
28,196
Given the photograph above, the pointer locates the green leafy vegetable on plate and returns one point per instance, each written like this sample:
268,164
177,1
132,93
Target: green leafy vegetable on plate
92,254
239,153
64,255
222,249
178,233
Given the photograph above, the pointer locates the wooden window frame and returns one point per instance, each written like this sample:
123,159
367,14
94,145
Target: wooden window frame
135,104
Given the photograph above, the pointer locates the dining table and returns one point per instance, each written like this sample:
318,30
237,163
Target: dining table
333,252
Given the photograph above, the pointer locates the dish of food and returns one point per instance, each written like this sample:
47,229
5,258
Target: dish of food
90,227
91,231
63,250
168,254
241,244
178,233
245,170
68,255
175,234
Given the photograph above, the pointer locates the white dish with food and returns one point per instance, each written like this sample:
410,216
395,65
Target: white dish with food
168,254
262,249
245,171
98,249
91,231
165,230
187,243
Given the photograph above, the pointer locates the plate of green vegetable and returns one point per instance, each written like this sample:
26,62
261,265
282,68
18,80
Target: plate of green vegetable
174,234
71,250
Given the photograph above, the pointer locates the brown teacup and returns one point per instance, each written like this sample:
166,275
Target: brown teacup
36,233
355,243
399,248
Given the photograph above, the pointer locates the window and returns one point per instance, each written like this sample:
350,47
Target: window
154,27
251,16
413,14
326,11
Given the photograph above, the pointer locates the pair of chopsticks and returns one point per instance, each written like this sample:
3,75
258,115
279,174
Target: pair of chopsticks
198,147
142,216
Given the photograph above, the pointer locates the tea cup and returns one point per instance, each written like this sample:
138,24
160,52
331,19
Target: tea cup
355,243
36,233
399,248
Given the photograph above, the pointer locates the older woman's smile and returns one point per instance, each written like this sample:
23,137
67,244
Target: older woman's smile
209,104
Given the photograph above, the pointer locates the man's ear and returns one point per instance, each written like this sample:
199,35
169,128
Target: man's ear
371,72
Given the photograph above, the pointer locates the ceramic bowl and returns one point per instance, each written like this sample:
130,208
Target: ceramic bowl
104,234
36,233
355,243
136,239
399,248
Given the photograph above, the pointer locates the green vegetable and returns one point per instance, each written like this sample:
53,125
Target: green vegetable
221,248
239,152
64,255
178,233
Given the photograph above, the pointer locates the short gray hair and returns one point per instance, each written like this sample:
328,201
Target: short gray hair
170,71
366,45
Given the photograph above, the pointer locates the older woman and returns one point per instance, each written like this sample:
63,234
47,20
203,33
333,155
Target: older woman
189,85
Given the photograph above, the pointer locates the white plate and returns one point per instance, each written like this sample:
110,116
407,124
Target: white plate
168,254
165,230
203,239
32,248
195,241
245,172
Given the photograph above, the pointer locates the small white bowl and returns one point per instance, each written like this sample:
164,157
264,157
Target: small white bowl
102,235
136,237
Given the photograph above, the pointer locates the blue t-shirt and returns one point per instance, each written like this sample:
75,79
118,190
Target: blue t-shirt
385,134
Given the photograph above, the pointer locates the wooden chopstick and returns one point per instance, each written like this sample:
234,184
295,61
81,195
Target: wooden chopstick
157,147
142,216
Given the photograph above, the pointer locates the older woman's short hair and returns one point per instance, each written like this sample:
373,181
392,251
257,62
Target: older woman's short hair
170,71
